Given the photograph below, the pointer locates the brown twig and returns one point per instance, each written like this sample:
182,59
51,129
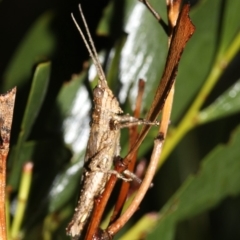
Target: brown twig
99,207
156,15
101,202
173,12
133,137
6,114
173,8
180,36
118,224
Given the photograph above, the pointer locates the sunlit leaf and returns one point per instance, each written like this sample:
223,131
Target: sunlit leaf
65,185
73,105
72,108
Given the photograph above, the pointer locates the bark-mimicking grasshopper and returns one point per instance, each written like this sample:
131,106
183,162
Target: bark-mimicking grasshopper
103,143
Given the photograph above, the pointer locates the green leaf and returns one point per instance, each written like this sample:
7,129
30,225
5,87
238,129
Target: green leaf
217,178
36,97
144,53
103,26
114,16
209,17
65,185
198,56
113,70
225,105
230,24
27,153
35,100
73,105
37,46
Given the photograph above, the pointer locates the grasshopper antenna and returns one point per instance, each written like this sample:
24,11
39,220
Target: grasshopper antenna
90,46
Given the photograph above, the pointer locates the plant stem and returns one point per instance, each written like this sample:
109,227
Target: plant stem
22,199
190,119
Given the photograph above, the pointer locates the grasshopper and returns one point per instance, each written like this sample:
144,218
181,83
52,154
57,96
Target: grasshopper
103,143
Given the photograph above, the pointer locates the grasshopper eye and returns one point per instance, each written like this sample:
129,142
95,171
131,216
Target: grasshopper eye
98,92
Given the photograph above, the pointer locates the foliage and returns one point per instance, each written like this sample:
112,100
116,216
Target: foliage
196,191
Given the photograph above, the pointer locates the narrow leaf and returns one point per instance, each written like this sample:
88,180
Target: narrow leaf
225,105
218,177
